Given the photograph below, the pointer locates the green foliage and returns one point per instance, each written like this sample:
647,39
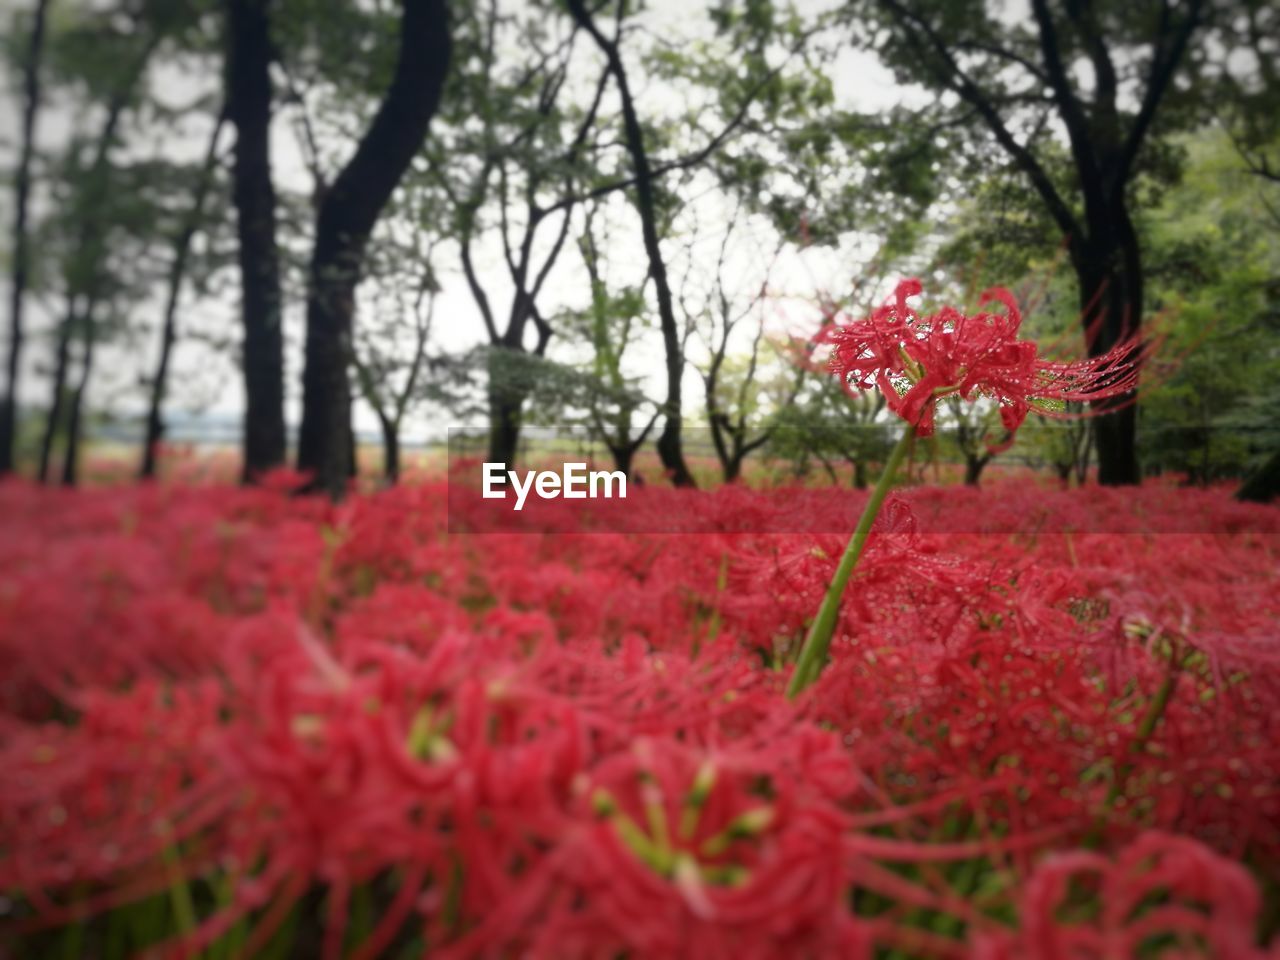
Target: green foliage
1215,274
826,424
817,169
555,393
748,108
1001,56
614,320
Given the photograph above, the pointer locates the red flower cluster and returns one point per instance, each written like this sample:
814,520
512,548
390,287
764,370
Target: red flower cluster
230,717
1160,887
916,359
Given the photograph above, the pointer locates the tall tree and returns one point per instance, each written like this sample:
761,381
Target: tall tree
522,155
731,388
612,322
670,445
347,214
21,253
1102,73
505,166
182,243
248,99
86,274
390,352
1252,118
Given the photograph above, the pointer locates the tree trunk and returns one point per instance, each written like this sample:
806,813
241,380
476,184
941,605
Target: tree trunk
1264,484
719,426
1084,454
860,473
168,330
53,420
346,217
1117,450
249,109
623,457
973,467
506,399
84,273
71,462
670,445
21,253
390,450
505,412
1109,272
353,450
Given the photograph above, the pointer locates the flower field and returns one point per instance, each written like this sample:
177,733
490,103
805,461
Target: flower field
238,723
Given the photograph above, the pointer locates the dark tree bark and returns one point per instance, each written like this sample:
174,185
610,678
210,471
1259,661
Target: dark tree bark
505,415
731,468
1104,248
347,216
623,448
732,446
670,445
615,431
71,462
1264,485
506,399
973,467
353,463
168,330
859,479
391,410
53,419
623,457
972,441
248,99
21,253
1109,277
390,450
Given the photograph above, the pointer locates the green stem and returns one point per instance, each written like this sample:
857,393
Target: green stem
1146,730
184,911
813,655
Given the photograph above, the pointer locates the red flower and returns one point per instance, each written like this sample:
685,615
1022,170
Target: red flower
916,359
1161,889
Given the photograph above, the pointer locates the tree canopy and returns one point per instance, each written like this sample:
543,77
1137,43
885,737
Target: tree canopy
385,219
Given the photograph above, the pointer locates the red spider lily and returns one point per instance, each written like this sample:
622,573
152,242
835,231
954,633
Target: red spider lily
916,359
1163,895
316,709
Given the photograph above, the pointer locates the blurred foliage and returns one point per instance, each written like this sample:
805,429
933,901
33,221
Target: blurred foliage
1213,281
827,427
1215,277
745,103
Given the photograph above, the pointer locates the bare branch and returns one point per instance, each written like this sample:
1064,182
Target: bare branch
950,74
1073,115
1163,66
